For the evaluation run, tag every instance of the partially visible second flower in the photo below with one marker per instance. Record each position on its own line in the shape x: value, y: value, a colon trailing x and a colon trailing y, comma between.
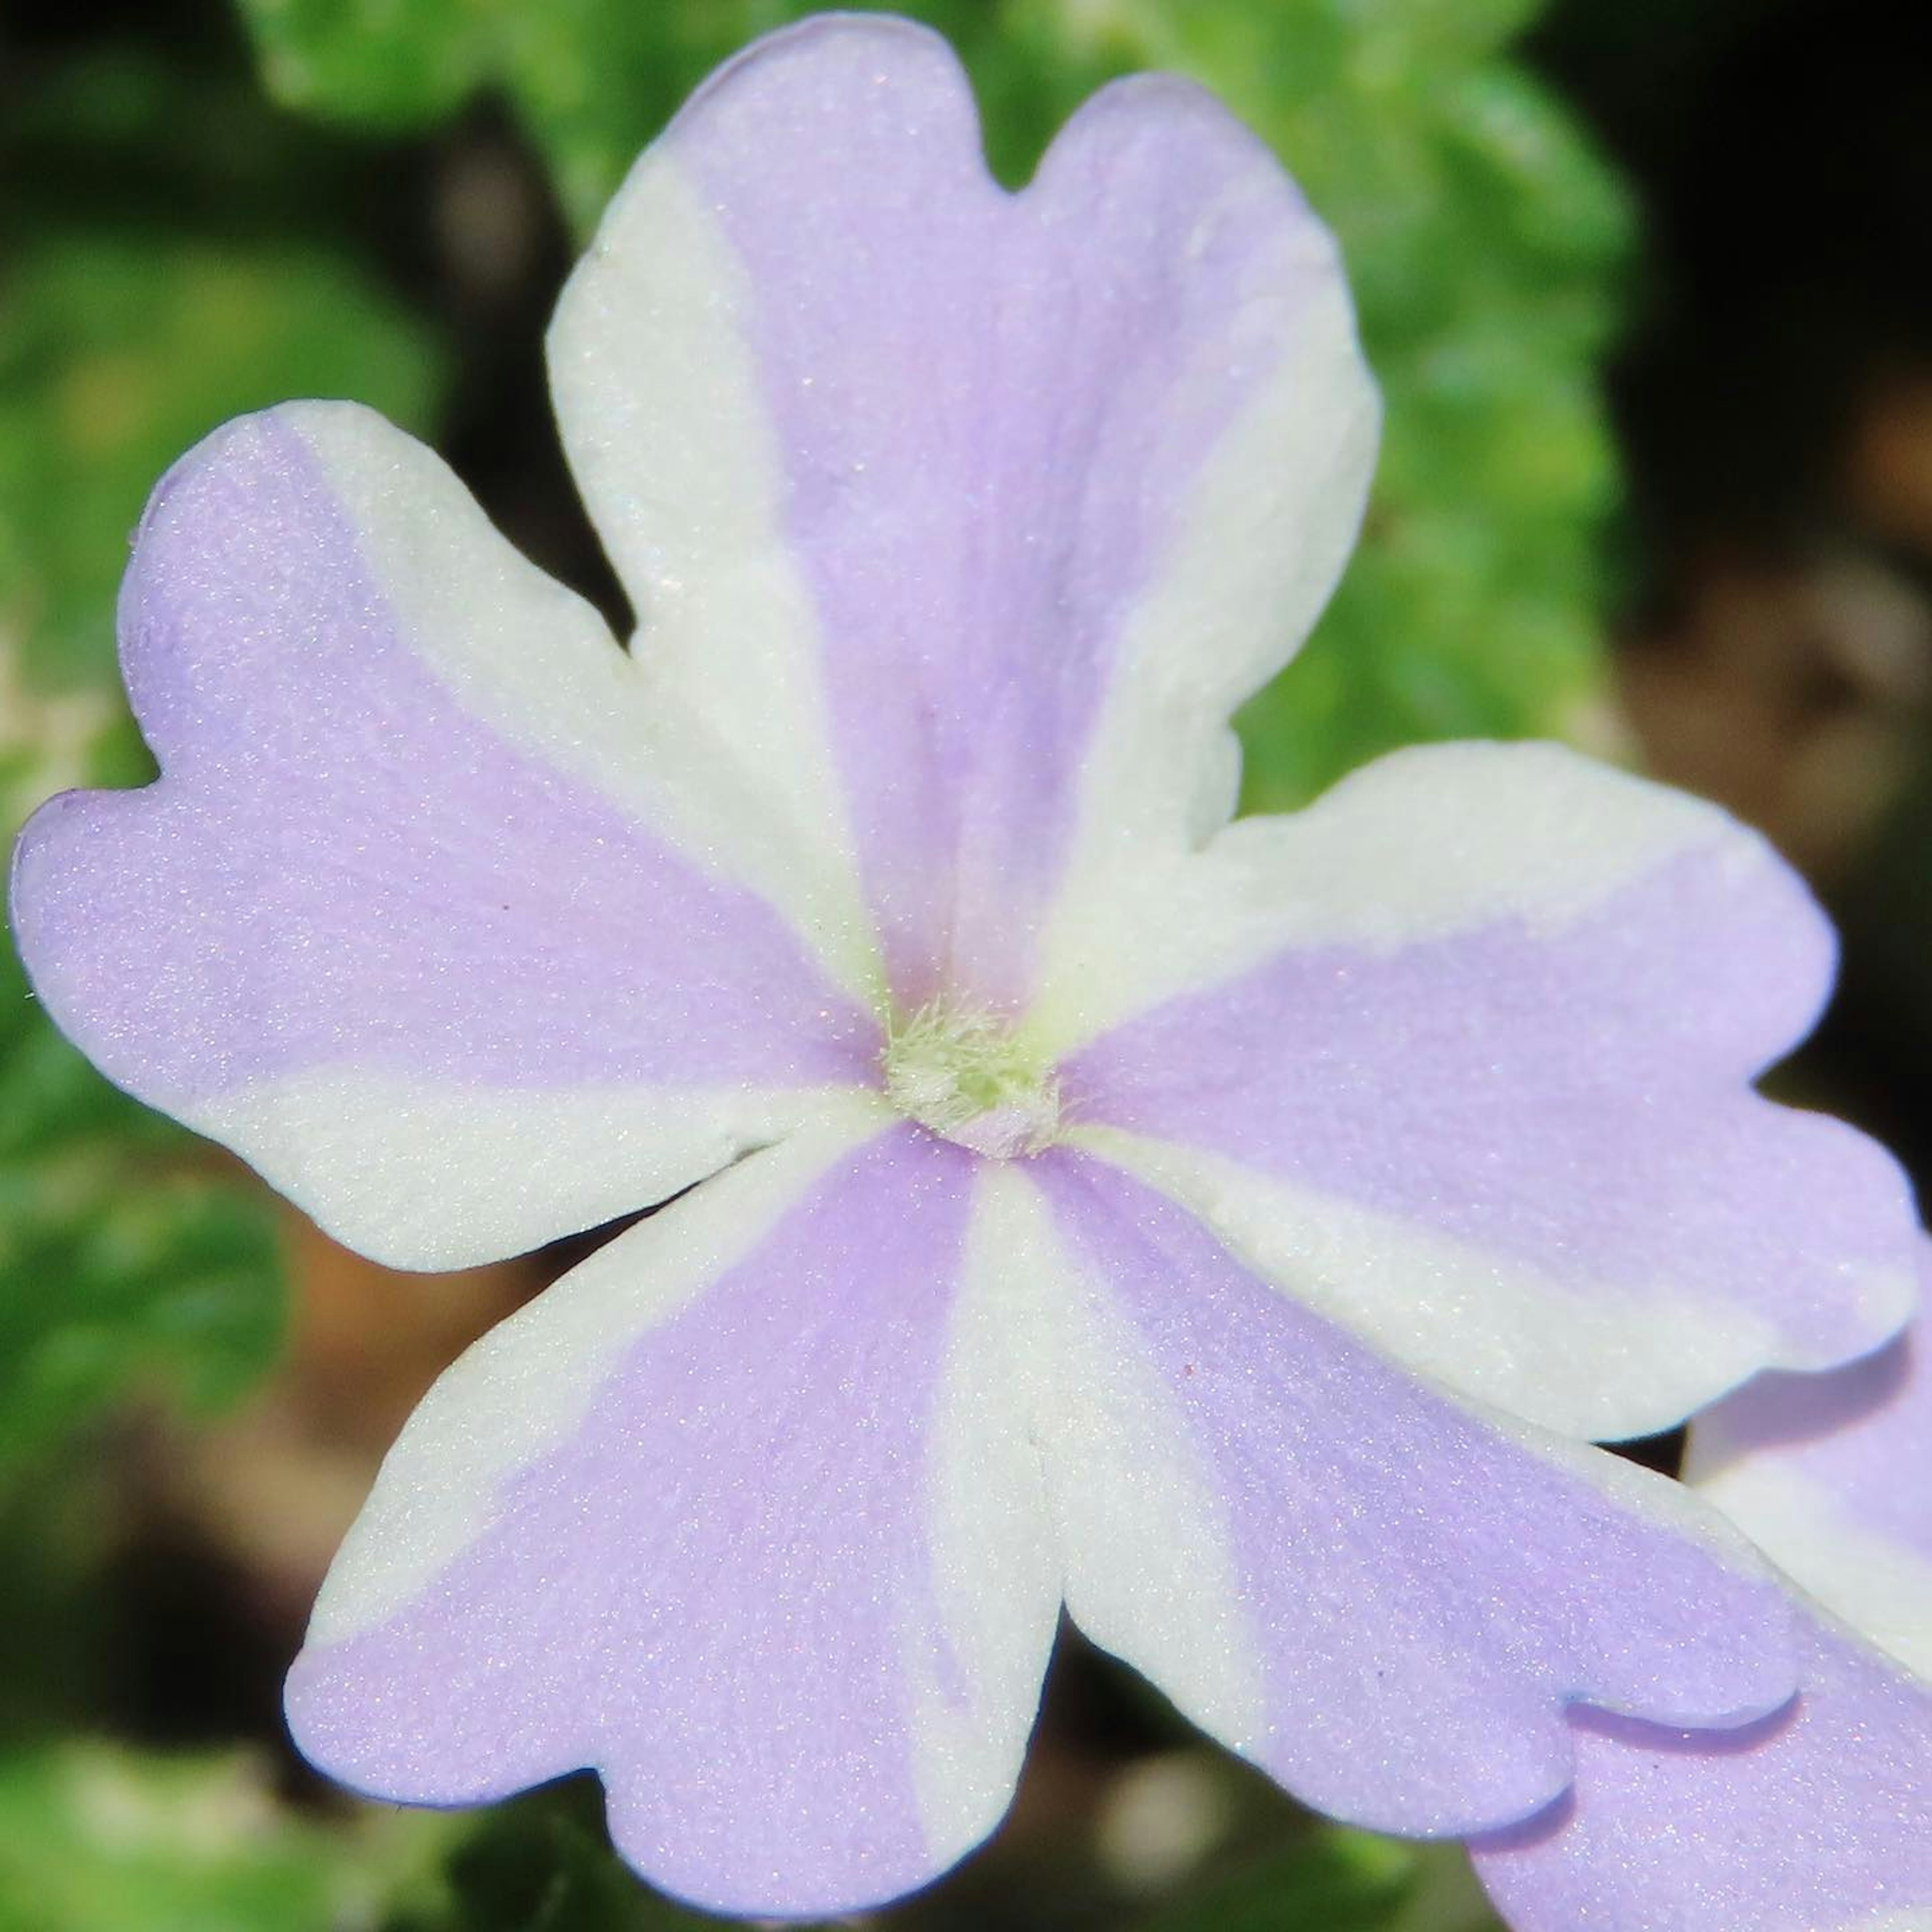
x: 1818, y: 1819
x: 1227, y: 1231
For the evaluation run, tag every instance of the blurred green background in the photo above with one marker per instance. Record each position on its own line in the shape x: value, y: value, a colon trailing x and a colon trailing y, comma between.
x: 1645, y: 286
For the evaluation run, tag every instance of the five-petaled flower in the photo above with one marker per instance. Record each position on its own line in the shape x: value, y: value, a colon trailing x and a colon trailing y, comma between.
x: 1232, y: 1232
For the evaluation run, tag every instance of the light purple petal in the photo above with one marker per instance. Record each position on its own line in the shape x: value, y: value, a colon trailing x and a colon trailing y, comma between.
x: 1819, y: 1819
x: 393, y: 922
x: 1000, y: 483
x: 1517, y: 1145
x: 1386, y: 1599
x: 728, y: 1574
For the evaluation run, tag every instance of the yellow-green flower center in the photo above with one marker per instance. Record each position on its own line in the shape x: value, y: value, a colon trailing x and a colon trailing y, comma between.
x: 962, y: 1075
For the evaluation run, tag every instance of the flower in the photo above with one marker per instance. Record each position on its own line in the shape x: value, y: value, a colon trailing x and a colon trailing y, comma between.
x: 1819, y: 1818
x: 1224, y: 1231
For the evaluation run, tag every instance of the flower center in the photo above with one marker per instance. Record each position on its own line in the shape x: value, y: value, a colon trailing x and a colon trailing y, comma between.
x: 961, y: 1075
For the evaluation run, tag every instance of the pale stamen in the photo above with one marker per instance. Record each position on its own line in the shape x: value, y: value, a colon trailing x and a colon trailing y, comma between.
x: 961, y: 1075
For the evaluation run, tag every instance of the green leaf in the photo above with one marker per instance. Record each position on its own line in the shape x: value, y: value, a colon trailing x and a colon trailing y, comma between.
x: 1445, y: 1896
x: 1334, y: 1881
x: 95, y: 1837
x: 127, y: 1256
x: 382, y: 63
x: 543, y: 1863
x: 117, y: 352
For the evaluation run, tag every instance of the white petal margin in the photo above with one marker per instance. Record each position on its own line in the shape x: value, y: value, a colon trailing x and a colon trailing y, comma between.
x: 996, y: 1569
x: 1383, y: 1658
x: 1148, y: 1574
x: 1588, y: 1360
x: 473, y: 608
x: 527, y: 1384
x: 1422, y: 844
x: 1260, y: 542
x: 1878, y: 1587
x: 660, y: 406
x: 360, y: 1151
x: 1832, y: 1476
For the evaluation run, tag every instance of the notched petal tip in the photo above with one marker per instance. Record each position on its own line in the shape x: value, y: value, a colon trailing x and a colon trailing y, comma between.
x: 1813, y: 1821
x: 1524, y: 997
x: 802, y: 1646
x: 1389, y: 1600
x: 1015, y: 649
x: 883, y: 42
x: 376, y: 928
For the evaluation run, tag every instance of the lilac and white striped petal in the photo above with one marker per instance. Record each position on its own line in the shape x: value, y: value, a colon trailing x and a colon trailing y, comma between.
x: 1385, y: 1598
x: 1821, y: 1819
x: 1015, y: 496
x: 408, y: 920
x: 1465, y: 1064
x: 732, y: 1514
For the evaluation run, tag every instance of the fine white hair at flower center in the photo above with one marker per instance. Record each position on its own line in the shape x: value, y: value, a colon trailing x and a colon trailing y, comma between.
x: 961, y: 1074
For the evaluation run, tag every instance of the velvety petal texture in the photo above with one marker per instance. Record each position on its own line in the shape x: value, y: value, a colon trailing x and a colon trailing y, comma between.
x: 408, y: 919
x: 726, y: 1515
x: 1461, y: 1055
x: 1820, y: 1818
x: 1016, y: 495
x: 1383, y: 1596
